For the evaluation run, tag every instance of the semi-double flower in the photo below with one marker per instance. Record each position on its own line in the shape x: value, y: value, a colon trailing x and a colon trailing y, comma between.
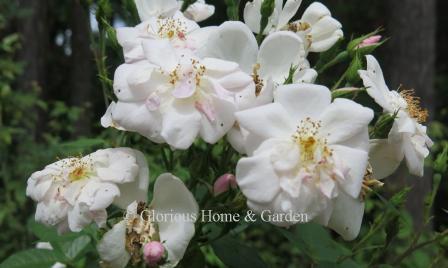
x: 174, y: 97
x: 317, y: 27
x: 311, y: 156
x: 73, y: 192
x: 407, y: 138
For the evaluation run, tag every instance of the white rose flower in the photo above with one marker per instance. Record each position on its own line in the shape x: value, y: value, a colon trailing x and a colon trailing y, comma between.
x: 319, y: 30
x: 310, y: 157
x: 198, y: 11
x: 180, y: 31
x: 124, y: 242
x: 407, y: 138
x: 268, y: 65
x: 73, y: 192
x: 176, y: 97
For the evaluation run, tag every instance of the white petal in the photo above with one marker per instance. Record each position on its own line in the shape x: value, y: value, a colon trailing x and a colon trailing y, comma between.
x: 315, y: 12
x: 235, y: 81
x: 112, y: 247
x: 324, y: 34
x: 236, y: 139
x: 137, y: 117
x: 199, y: 38
x: 374, y: 82
x: 233, y: 41
x: 288, y: 11
x: 267, y: 121
x: 52, y: 212
x: 305, y: 75
x: 384, y: 157
x: 98, y: 196
x: 212, y: 131
x: 356, y: 161
x: 138, y: 189
x: 38, y: 185
x: 171, y: 196
x: 343, y: 119
x: 275, y: 62
x: 128, y: 38
x: 120, y: 166
x: 181, y: 124
x: 303, y: 100
x: 121, y: 85
x: 415, y: 152
x: 156, y: 8
x: 199, y: 11
x: 252, y: 15
x: 160, y: 53
x: 347, y: 216
x: 285, y: 156
x: 257, y: 179
x: 217, y: 67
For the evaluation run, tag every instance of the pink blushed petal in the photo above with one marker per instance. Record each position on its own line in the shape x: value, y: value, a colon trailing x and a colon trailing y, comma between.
x: 207, y: 109
x: 184, y: 89
x: 153, y: 102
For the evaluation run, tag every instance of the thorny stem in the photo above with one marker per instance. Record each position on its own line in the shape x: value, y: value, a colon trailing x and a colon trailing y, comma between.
x: 414, y: 246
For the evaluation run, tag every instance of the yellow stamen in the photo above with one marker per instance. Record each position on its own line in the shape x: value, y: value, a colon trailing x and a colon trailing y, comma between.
x: 257, y: 80
x: 414, y: 106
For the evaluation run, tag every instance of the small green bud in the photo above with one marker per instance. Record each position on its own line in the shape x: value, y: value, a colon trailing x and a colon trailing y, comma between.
x: 441, y: 162
x: 352, y: 75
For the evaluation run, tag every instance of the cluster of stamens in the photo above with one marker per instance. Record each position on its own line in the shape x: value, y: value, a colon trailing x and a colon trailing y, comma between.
x: 140, y: 229
x: 298, y: 26
x: 80, y: 168
x: 414, y: 108
x: 257, y: 80
x: 198, y: 71
x: 306, y: 136
x: 170, y: 28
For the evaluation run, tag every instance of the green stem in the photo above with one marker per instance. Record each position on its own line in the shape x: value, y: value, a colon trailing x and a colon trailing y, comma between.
x: 415, y: 246
x: 339, y: 58
x: 339, y: 81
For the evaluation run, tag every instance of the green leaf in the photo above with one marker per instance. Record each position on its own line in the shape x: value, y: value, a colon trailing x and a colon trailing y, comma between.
x: 74, y: 249
x: 35, y: 258
x: 234, y: 254
x: 315, y: 241
x: 44, y: 233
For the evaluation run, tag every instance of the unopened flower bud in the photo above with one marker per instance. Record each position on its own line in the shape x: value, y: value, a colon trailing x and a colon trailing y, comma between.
x: 153, y: 253
x: 223, y: 183
x: 370, y: 41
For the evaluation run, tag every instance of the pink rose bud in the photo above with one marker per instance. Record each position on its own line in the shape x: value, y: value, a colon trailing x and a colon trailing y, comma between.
x: 223, y: 183
x: 370, y: 41
x: 153, y: 253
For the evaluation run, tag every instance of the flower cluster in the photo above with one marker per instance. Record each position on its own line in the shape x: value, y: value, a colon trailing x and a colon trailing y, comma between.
x: 305, y: 150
